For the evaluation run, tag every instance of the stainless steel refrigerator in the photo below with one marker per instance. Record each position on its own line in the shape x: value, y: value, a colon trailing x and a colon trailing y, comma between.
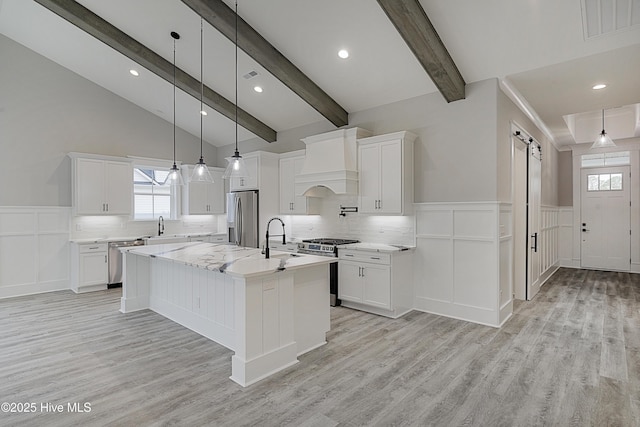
x: 242, y: 218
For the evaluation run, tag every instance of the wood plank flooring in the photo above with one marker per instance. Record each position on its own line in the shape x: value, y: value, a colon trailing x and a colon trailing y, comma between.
x: 571, y: 357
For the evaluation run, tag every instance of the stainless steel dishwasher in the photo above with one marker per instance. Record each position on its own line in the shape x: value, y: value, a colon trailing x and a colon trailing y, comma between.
x: 115, y: 260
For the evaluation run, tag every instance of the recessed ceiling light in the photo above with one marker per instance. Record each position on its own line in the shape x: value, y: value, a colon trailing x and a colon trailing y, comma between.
x: 134, y: 72
x: 257, y: 89
x: 343, y: 53
x: 204, y: 113
x: 599, y: 86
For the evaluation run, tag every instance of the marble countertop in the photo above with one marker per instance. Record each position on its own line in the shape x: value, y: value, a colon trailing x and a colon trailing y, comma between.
x: 129, y: 238
x: 375, y: 247
x: 230, y: 259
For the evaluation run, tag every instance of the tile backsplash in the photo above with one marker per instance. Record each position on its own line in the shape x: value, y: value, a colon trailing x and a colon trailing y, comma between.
x: 88, y: 227
x: 398, y: 230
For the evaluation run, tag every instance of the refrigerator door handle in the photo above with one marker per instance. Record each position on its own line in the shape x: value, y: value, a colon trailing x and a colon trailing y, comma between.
x: 238, y: 221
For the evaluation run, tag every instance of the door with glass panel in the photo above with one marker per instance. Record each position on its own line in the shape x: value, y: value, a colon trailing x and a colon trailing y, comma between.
x: 605, y: 218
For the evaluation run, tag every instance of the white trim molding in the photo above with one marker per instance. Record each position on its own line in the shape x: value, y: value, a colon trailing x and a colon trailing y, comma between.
x: 34, y: 250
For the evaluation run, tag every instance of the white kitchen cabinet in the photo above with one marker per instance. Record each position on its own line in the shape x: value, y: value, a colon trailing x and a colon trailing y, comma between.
x: 203, y: 198
x: 252, y: 182
x: 263, y: 167
x: 291, y: 204
x: 385, y: 166
x: 89, y: 267
x: 101, y: 186
x: 376, y: 282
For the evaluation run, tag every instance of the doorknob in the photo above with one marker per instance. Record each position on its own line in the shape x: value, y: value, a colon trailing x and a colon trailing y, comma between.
x: 584, y: 229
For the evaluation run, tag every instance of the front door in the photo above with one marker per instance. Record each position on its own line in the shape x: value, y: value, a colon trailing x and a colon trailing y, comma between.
x: 605, y: 218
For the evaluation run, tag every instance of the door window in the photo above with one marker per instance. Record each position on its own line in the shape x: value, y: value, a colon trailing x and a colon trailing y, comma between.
x: 604, y: 182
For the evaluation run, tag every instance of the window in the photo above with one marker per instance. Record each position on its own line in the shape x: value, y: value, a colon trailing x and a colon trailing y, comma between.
x: 604, y: 182
x: 620, y: 158
x: 150, y: 197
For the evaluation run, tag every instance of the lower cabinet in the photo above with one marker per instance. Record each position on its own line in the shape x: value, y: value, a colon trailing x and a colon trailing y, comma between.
x: 89, y: 267
x: 365, y: 283
x: 376, y: 282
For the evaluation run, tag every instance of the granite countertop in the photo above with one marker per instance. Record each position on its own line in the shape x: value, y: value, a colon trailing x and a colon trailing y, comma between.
x: 375, y: 247
x: 230, y: 259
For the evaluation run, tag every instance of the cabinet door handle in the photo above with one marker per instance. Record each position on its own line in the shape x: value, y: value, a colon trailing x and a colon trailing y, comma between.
x: 359, y: 271
x: 362, y: 271
x: 107, y: 207
x: 105, y: 259
x: 348, y: 255
x: 94, y: 247
x: 375, y: 257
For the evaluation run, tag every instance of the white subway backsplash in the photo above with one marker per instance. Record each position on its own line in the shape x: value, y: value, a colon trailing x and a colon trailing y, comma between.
x: 89, y: 227
x: 396, y: 230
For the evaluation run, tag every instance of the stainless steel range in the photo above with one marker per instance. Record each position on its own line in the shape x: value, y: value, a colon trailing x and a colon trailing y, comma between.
x: 327, y: 247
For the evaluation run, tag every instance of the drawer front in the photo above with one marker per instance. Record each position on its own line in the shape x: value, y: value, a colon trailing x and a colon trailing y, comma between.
x: 96, y: 247
x: 219, y: 238
x: 364, y: 256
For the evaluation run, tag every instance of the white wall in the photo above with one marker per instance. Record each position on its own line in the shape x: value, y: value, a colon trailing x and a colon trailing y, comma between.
x: 47, y: 111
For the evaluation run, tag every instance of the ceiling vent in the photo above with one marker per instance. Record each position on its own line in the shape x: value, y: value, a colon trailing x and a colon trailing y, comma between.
x: 600, y: 17
x: 251, y: 74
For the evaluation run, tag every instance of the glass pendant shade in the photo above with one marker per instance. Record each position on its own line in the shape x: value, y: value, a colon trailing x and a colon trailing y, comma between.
x: 603, y: 140
x: 236, y: 167
x: 175, y: 177
x: 201, y: 172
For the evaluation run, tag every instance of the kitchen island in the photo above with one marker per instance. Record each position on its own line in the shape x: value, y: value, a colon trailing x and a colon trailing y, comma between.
x: 268, y: 311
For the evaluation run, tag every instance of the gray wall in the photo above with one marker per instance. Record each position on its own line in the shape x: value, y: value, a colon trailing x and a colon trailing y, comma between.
x: 565, y: 178
x: 463, y: 150
x: 509, y: 113
x: 47, y: 111
x: 455, y: 153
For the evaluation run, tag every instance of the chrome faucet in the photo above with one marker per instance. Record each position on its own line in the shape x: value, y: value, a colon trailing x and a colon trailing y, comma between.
x: 160, y: 225
x: 284, y: 239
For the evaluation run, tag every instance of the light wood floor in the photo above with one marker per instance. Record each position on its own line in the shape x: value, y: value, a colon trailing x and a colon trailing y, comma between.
x: 571, y: 357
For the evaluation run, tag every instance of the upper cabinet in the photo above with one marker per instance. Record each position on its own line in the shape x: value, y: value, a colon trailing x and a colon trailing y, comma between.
x: 290, y: 204
x: 385, y: 165
x: 101, y: 186
x: 203, y: 198
x: 252, y: 182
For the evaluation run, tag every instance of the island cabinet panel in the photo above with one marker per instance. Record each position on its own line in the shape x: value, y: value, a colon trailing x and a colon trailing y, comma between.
x: 268, y: 311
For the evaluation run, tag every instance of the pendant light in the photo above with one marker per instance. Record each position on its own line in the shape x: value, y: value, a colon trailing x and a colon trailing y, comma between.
x: 603, y: 140
x: 236, y: 167
x: 175, y: 177
x: 201, y: 171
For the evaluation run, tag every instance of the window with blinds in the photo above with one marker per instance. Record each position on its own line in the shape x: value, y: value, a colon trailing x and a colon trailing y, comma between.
x: 151, y: 198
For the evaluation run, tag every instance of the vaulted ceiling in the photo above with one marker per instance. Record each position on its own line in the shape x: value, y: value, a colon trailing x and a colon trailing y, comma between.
x: 548, y: 53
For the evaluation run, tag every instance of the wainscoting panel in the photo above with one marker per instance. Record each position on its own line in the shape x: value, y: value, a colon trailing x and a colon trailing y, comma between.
x: 566, y: 257
x: 549, y: 235
x: 34, y: 250
x: 462, y: 261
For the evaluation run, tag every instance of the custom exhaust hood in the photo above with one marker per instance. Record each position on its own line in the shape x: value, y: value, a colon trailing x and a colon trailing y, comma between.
x: 330, y: 163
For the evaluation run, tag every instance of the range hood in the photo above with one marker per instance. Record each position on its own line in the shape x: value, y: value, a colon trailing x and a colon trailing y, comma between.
x: 331, y: 162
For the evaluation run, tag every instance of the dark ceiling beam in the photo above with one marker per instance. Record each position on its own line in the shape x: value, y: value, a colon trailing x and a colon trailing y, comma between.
x: 223, y: 18
x: 91, y: 23
x: 416, y: 29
